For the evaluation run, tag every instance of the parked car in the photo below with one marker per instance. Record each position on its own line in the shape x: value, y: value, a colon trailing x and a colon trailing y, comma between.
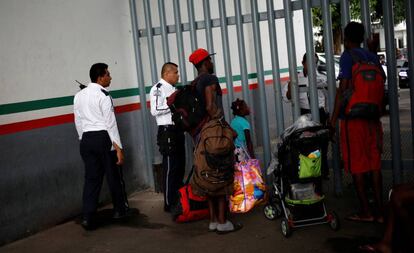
x: 403, y: 80
x: 322, y: 64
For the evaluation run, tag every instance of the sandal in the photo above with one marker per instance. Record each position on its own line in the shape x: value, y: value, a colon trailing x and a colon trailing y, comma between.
x: 368, y: 248
x: 359, y: 218
x: 236, y: 226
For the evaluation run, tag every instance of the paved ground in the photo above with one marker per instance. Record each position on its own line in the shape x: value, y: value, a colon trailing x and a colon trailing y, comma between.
x: 152, y: 230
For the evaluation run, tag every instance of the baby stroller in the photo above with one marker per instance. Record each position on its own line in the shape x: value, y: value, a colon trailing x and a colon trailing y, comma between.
x: 296, y: 169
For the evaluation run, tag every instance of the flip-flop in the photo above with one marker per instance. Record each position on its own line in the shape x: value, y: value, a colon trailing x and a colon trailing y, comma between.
x: 237, y: 226
x: 368, y: 248
x: 358, y: 218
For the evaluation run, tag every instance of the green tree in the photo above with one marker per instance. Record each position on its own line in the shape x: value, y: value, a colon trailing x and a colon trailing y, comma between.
x: 376, y: 11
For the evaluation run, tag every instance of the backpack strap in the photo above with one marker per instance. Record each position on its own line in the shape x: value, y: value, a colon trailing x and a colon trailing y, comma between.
x: 355, y: 57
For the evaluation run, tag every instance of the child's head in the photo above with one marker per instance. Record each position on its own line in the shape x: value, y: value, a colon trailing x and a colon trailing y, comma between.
x: 240, y: 108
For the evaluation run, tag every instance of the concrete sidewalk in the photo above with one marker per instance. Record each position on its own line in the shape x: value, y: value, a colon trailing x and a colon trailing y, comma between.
x: 152, y: 230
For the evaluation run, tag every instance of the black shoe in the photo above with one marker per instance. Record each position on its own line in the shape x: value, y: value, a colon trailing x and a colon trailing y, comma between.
x: 122, y: 214
x: 87, y: 224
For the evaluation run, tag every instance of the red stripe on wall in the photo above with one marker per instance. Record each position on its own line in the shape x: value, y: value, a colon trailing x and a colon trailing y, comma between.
x: 36, y: 123
x: 68, y: 118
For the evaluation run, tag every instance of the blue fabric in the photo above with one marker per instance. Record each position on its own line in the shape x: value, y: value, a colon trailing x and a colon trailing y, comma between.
x: 346, y: 62
x: 239, y: 124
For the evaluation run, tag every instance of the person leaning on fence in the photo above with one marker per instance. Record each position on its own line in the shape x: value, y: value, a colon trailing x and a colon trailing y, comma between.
x: 211, y: 95
x: 241, y: 125
x: 100, y: 146
x: 170, y: 139
x: 304, y: 104
x: 361, y: 138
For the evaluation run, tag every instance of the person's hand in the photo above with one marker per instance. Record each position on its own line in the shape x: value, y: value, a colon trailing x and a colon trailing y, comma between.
x: 120, y: 156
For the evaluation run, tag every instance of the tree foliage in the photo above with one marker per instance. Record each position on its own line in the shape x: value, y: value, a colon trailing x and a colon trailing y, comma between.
x: 376, y: 11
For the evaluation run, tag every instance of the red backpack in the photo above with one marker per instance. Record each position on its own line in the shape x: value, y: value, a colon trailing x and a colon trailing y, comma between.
x: 364, y: 99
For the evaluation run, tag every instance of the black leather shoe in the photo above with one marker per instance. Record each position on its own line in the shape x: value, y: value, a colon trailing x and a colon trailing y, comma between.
x: 122, y: 214
x: 87, y: 224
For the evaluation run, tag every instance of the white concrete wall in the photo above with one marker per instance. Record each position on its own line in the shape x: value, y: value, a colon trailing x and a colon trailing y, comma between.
x: 47, y: 44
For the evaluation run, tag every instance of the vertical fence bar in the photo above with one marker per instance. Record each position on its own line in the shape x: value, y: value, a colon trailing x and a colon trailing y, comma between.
x: 329, y: 53
x: 150, y: 40
x: 410, y: 46
x: 393, y: 91
x: 242, y: 59
x: 209, y: 32
x: 164, y: 34
x: 275, y: 68
x: 293, y: 75
x: 193, y: 28
x: 226, y: 52
x: 310, y: 56
x: 142, y: 93
x: 242, y: 52
x: 191, y: 18
x: 180, y: 43
x: 260, y: 79
x: 153, y: 65
x: 183, y: 72
x: 345, y: 16
x: 366, y: 20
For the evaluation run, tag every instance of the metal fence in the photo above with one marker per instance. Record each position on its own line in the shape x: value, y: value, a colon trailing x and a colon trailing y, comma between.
x: 146, y: 32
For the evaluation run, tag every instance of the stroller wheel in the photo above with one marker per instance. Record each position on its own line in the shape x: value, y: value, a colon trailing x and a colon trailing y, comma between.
x: 286, y: 229
x: 272, y: 212
x: 334, y: 221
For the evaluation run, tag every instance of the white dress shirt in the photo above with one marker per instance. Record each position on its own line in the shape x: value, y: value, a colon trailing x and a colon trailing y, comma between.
x: 158, y: 101
x: 94, y: 111
x: 303, y: 90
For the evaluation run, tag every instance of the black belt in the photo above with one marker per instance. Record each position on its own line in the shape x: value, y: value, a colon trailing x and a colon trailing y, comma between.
x: 167, y: 126
x: 94, y: 133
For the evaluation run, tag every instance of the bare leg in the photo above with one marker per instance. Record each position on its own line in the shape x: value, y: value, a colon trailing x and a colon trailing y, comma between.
x: 360, y: 188
x: 212, y: 208
x: 377, y: 187
x: 222, y: 208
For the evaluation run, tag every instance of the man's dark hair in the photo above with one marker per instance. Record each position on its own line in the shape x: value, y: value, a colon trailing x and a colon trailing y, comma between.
x: 97, y: 70
x: 354, y: 32
x: 167, y: 66
x: 200, y: 64
x: 236, y: 106
x: 304, y: 58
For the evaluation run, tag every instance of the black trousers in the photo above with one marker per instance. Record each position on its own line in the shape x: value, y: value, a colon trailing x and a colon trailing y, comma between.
x: 95, y: 149
x: 172, y: 147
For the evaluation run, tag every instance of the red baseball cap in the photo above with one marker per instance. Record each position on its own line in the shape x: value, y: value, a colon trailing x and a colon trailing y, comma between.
x: 199, y: 55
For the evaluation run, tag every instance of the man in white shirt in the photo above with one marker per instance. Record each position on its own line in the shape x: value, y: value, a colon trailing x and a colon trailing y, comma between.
x: 321, y: 85
x: 100, y: 145
x: 171, y: 141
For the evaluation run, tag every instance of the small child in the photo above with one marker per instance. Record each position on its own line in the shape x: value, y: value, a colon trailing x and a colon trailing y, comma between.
x: 242, y: 127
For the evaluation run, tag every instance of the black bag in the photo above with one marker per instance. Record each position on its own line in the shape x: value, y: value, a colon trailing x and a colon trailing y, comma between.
x: 188, y: 111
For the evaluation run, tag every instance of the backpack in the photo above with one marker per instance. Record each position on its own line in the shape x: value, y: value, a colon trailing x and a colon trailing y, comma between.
x: 188, y: 111
x: 364, y: 99
x: 214, y: 158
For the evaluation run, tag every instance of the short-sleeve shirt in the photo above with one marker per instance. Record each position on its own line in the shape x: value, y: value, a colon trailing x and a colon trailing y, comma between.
x: 346, y: 62
x: 206, y: 80
x: 239, y: 124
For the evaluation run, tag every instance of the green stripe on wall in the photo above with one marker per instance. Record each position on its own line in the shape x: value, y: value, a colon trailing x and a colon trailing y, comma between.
x: 68, y: 100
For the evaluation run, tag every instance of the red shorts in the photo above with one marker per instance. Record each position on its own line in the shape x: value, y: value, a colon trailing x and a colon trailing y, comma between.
x: 361, y: 145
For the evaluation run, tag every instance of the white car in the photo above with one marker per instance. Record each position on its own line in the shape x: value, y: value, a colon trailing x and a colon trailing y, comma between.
x: 322, y: 64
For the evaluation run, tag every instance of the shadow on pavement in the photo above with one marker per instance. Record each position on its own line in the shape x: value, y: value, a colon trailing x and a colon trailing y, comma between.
x: 136, y: 220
